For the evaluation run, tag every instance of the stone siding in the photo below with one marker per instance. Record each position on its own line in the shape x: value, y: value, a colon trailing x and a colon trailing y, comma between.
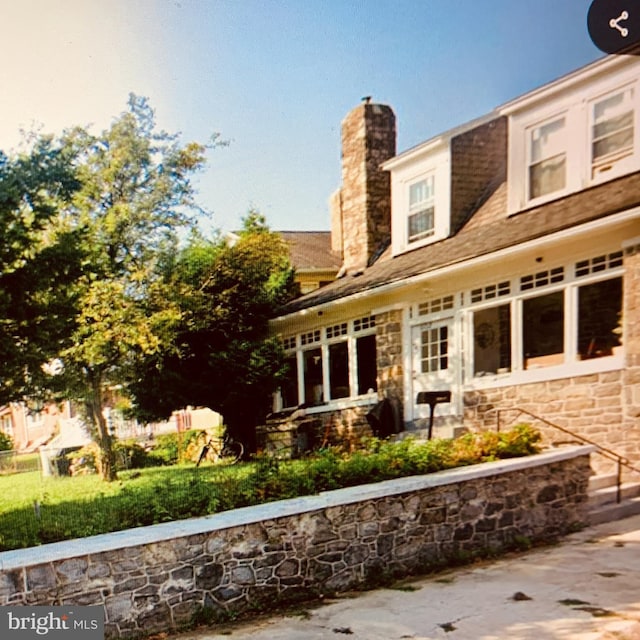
x: 591, y: 406
x: 158, y: 578
x: 389, y: 354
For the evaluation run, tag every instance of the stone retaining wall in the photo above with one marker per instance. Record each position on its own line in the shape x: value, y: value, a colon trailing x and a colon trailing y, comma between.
x: 158, y: 578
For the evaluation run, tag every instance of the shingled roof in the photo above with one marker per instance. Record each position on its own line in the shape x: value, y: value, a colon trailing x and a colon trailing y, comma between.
x: 482, y: 239
x: 311, y: 250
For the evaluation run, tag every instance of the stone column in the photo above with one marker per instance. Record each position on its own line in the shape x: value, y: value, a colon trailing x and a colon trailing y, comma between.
x: 389, y: 359
x: 368, y: 139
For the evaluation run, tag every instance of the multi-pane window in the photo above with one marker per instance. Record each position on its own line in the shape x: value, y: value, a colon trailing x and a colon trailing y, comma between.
x: 547, y: 158
x: 581, y: 319
x: 338, y: 361
x: 434, y: 354
x: 612, y: 130
x: 541, y: 279
x: 435, y: 305
x: 421, y: 209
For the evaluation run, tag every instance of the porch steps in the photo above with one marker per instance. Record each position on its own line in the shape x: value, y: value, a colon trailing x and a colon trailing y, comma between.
x: 602, y: 499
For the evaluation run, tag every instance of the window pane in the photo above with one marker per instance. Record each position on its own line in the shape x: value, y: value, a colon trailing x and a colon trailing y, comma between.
x: 289, y: 388
x: 613, y: 143
x: 421, y: 224
x: 313, y: 377
x: 339, y: 370
x: 492, y: 340
x: 547, y: 140
x: 599, y: 312
x: 543, y: 330
x: 420, y: 192
x: 547, y: 176
x: 435, y: 350
x: 367, y: 365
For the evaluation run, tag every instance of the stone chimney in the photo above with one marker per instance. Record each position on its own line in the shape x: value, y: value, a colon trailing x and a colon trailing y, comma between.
x: 361, y: 209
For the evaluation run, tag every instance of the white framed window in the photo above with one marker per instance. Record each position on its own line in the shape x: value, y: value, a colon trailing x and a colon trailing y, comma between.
x: 421, y: 215
x: 331, y: 363
x: 570, y: 315
x: 612, y: 130
x: 547, y: 158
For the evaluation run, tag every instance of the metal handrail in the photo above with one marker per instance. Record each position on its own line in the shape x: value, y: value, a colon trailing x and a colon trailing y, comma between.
x: 620, y: 460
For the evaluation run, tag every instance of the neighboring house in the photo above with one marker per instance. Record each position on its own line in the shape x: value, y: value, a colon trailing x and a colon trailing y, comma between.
x: 31, y: 427
x: 315, y: 261
x: 498, y: 261
x: 313, y: 254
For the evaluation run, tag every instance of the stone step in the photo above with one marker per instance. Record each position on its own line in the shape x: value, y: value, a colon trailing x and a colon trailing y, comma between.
x: 614, y: 511
x: 603, y: 504
x: 608, y: 495
x: 602, y: 481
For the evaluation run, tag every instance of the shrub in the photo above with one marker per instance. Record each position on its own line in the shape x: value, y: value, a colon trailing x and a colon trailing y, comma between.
x: 6, y: 441
x: 172, y: 448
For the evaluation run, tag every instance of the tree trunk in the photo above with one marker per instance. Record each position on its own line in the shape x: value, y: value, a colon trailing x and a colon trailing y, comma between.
x: 107, y: 462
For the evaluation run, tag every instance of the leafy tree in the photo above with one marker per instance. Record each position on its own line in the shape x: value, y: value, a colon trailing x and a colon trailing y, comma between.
x: 222, y: 357
x: 41, y: 258
x: 135, y: 196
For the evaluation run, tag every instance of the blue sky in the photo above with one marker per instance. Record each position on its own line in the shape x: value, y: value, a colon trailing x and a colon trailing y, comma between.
x: 276, y: 77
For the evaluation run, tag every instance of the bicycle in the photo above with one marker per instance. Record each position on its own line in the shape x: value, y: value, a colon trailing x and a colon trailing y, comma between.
x: 224, y: 450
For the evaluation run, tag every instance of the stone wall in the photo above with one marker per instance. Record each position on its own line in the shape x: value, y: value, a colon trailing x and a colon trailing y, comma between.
x: 158, y: 578
x: 293, y: 433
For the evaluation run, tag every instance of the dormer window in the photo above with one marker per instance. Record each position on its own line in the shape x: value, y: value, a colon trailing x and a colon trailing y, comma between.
x: 568, y: 139
x: 547, y: 158
x: 421, y: 209
x: 612, y: 131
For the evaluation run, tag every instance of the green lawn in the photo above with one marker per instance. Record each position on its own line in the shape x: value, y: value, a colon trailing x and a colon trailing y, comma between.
x: 35, y: 511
